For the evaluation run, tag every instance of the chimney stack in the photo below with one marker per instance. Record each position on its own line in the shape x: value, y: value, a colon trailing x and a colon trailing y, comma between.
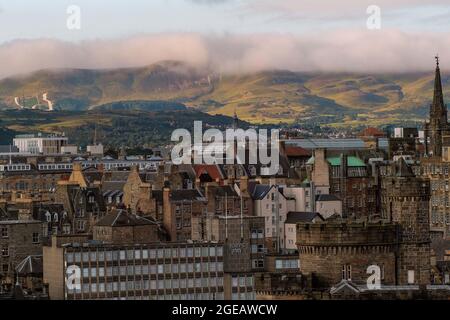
x: 168, y: 219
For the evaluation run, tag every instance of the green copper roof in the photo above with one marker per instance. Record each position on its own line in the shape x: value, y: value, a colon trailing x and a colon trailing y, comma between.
x: 336, y: 161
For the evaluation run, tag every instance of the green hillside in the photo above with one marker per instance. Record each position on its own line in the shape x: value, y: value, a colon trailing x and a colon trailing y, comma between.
x: 130, y: 126
x: 263, y: 97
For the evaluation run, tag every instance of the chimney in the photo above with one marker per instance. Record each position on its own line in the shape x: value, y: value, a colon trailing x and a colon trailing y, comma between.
x: 321, y: 169
x: 77, y: 167
x: 244, y: 184
x: 77, y: 175
x: 146, y: 191
x: 134, y: 169
x: 283, y: 148
x: 197, y: 183
x: 168, y: 219
x: 344, y: 165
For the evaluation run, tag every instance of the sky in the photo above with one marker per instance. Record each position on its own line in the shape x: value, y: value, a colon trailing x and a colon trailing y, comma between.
x: 227, y: 35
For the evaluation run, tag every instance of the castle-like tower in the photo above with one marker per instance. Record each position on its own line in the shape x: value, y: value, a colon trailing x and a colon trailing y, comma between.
x: 438, y: 126
x: 405, y: 200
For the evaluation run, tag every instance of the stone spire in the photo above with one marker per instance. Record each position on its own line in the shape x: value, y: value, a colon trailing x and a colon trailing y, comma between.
x: 235, y: 120
x: 438, y: 108
x: 437, y: 127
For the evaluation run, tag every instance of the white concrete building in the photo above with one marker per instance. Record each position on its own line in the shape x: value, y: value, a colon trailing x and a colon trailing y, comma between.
x: 95, y: 149
x: 69, y: 149
x: 271, y: 203
x: 40, y: 143
x: 303, y: 196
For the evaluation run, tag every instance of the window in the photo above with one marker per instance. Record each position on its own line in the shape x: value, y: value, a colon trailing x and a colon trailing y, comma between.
x: 66, y: 228
x: 4, y: 232
x: 81, y: 225
x: 35, y: 237
x: 410, y: 276
x: 346, y: 272
x: 258, y: 264
x: 5, y: 251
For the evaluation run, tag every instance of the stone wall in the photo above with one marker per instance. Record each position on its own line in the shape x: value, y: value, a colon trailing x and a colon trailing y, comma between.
x: 326, y: 248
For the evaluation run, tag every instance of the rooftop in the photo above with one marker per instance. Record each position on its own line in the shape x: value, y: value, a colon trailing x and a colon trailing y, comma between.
x: 327, y: 197
x: 297, y: 216
x: 122, y: 218
x: 352, y: 161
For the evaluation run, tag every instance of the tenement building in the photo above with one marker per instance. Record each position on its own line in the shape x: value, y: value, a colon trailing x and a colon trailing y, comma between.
x: 347, y: 177
x: 18, y: 240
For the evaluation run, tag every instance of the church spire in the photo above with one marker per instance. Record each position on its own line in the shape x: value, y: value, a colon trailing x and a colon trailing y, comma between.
x: 438, y: 107
x: 235, y: 120
x: 438, y: 126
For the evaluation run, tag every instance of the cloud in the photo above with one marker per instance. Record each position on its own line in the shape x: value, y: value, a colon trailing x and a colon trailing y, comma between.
x: 209, y: 2
x: 343, y: 50
x: 333, y: 6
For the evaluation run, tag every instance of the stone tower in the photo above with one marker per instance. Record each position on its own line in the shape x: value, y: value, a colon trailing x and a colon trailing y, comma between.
x: 406, y: 202
x: 437, y: 127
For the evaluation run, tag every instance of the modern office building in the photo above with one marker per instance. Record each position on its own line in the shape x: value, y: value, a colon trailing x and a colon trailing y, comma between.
x: 40, y: 143
x: 171, y: 271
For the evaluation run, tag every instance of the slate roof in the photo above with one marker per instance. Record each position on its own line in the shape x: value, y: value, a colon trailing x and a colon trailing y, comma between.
x: 260, y: 191
x: 298, y: 216
x: 180, y: 195
x: 189, y: 194
x: 327, y: 197
x: 121, y: 218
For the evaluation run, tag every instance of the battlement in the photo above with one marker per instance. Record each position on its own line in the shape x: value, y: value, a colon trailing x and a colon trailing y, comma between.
x: 347, y: 233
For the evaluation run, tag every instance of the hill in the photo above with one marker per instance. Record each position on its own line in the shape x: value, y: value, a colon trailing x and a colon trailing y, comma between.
x: 130, y: 126
x: 263, y: 97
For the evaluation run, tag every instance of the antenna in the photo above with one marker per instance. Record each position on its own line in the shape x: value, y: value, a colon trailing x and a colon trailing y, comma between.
x: 226, y: 216
x: 242, y: 225
x: 277, y: 216
x: 95, y: 134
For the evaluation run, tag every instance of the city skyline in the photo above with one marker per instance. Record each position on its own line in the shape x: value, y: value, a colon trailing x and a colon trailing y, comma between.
x: 224, y: 156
